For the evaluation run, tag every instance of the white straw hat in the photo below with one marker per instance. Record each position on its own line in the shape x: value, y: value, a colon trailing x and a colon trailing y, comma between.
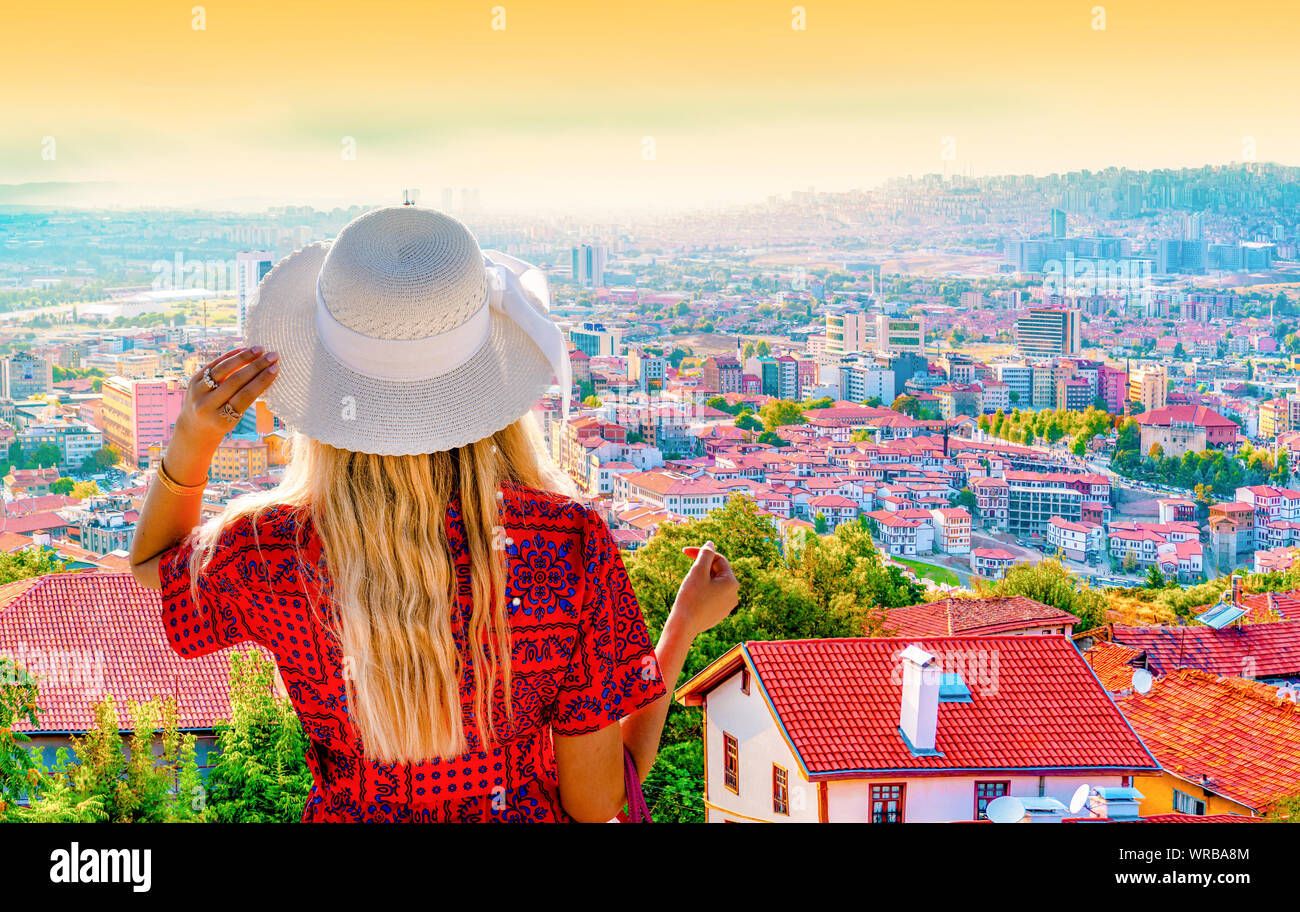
x: 402, y: 337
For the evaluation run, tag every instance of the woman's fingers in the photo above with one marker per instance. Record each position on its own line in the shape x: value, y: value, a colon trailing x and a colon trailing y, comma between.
x: 218, y: 359
x: 241, y: 377
x: 230, y: 364
x: 716, y: 563
x: 249, y: 392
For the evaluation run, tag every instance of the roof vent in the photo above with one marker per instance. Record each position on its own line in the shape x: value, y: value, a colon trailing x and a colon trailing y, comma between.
x: 952, y: 689
x: 1115, y: 803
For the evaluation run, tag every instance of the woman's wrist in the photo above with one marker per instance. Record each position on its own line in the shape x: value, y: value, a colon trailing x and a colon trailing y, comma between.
x: 187, y: 460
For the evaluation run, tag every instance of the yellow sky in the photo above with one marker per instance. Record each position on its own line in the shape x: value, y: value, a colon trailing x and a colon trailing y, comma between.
x: 555, y: 109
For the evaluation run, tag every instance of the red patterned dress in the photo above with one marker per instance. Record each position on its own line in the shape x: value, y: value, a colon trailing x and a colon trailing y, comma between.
x: 581, y: 657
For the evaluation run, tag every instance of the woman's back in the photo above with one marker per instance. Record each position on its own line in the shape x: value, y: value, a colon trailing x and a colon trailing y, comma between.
x: 580, y: 656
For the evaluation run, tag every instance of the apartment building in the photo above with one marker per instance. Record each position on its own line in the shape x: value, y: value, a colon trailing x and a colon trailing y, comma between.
x: 1034, y: 498
x: 1148, y: 387
x: 672, y: 491
x: 1078, y: 541
x: 140, y: 413
x: 74, y: 439
x: 952, y: 526
x: 238, y: 459
x: 991, y: 500
x: 722, y: 373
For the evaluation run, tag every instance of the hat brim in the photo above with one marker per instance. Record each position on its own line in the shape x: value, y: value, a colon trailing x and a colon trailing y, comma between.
x: 317, y: 395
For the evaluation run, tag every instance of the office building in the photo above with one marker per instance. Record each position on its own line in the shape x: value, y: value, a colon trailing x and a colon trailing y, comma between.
x: 250, y: 267
x: 595, y: 341
x: 1047, y: 333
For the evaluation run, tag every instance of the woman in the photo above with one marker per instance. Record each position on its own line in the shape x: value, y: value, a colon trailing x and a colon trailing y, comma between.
x: 457, y: 636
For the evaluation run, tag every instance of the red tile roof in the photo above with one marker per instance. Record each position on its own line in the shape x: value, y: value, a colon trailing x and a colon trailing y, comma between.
x: 1248, y: 650
x: 950, y: 617
x: 1240, y: 734
x: 1035, y: 705
x: 1272, y: 606
x: 1171, y: 818
x: 91, y: 634
x: 1112, y: 663
x: 1198, y: 415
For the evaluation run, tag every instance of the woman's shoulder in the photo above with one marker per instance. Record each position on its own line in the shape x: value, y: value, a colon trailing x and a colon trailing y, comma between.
x: 530, y: 506
x: 277, y: 524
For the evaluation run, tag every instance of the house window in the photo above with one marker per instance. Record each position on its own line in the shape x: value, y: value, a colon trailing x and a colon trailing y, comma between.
x: 1186, y: 804
x: 744, y: 680
x: 730, y: 762
x: 780, y: 790
x: 887, y: 803
x: 986, y: 792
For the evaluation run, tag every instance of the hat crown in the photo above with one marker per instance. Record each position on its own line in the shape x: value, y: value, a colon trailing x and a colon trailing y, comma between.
x: 403, y: 273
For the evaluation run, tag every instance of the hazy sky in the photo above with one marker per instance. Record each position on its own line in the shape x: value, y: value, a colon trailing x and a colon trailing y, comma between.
x: 555, y: 109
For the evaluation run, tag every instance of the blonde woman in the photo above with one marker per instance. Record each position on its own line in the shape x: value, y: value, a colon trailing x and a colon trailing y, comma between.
x: 458, y: 637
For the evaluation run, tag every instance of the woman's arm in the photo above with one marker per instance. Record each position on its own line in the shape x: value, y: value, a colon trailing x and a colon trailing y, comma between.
x: 241, y: 374
x: 706, y: 596
x: 590, y: 766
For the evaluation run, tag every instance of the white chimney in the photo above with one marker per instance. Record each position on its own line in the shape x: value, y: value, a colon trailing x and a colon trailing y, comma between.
x: 919, y: 713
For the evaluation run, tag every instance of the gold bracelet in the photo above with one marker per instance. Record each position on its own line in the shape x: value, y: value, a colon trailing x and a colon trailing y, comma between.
x: 171, y: 484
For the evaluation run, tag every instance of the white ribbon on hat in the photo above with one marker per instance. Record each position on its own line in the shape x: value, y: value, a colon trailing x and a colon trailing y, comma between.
x: 516, y: 289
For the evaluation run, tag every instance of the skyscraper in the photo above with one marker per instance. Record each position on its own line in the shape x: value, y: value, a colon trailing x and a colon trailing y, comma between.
x: 250, y: 267
x: 588, y: 264
x: 1058, y: 223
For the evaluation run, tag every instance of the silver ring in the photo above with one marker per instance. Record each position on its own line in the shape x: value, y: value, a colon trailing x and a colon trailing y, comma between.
x: 207, y: 379
x: 229, y: 413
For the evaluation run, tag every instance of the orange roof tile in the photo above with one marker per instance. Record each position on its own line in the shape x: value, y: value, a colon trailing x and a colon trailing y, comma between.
x: 1235, y: 737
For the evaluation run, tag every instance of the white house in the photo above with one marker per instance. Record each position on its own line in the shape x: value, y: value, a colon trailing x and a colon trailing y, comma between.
x: 897, y: 730
x: 1076, y: 540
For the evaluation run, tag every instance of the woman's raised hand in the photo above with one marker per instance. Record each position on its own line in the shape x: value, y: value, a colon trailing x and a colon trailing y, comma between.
x: 708, y: 592
x: 218, y: 394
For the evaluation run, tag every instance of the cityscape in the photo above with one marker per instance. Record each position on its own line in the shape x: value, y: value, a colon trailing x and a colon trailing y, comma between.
x: 916, y: 390
x: 1046, y: 420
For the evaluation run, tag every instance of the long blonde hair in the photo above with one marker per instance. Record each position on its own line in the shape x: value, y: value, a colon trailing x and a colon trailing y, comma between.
x: 382, y: 523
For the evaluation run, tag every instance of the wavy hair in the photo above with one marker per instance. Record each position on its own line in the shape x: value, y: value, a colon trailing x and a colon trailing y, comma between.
x: 382, y: 524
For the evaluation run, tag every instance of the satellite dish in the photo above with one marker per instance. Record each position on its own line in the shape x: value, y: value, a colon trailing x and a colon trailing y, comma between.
x: 1079, y: 798
x: 1142, y: 680
x: 1007, y: 809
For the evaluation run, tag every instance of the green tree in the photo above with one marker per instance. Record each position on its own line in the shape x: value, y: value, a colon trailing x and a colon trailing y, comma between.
x: 1155, y: 579
x: 121, y: 780
x: 18, y: 565
x: 261, y: 773
x: 908, y: 405
x: 967, y: 500
x: 781, y: 412
x: 63, y: 486
x: 18, y: 770
x: 1051, y: 583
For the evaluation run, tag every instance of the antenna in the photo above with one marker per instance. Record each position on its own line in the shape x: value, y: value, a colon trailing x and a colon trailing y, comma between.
x: 1079, y: 798
x: 1142, y: 680
x: 1007, y: 809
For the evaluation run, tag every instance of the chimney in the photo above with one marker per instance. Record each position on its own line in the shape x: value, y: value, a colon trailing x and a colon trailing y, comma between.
x: 919, y: 713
